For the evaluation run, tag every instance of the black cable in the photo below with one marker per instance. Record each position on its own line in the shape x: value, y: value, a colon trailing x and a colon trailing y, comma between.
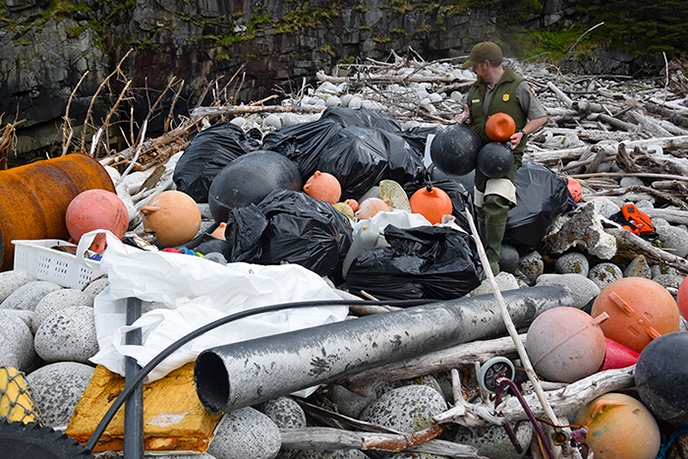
x: 128, y: 390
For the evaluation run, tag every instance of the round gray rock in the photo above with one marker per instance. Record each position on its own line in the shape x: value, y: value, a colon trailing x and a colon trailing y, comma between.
x: 16, y: 342
x: 68, y: 335
x: 285, y: 413
x: 531, y: 266
x: 606, y: 207
x: 582, y: 289
x: 406, y: 409
x: 246, y: 433
x: 334, y: 454
x: 669, y: 280
x: 348, y: 403
x: 630, y: 181
x: 56, y: 301
x: 604, y: 274
x: 638, y: 267
x: 508, y: 258
x: 493, y: 441
x: 28, y: 295
x: 505, y: 281
x: 572, y: 263
x: 12, y: 280
x: 56, y: 389
x: 95, y: 287
x: 658, y: 270
x: 674, y: 240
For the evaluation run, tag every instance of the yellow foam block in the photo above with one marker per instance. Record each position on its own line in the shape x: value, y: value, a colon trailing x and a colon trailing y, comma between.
x: 174, y: 418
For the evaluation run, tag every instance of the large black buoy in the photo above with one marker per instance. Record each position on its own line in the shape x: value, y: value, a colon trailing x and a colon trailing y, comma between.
x: 454, y: 150
x: 495, y: 159
x: 661, y: 377
x: 248, y: 179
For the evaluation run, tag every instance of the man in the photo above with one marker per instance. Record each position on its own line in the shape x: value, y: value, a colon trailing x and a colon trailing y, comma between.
x: 498, y: 89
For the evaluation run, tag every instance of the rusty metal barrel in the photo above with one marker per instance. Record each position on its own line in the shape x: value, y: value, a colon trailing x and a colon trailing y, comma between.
x: 34, y: 198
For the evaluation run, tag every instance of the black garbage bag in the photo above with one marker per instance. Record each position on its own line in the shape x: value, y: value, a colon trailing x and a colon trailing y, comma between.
x: 290, y: 226
x: 302, y: 143
x: 541, y: 196
x: 205, y: 156
x: 417, y: 137
x: 361, y: 157
x: 430, y: 262
x: 362, y: 117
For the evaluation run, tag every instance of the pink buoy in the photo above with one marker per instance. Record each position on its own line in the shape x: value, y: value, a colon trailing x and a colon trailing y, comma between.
x: 682, y: 298
x: 566, y: 344
x: 96, y: 209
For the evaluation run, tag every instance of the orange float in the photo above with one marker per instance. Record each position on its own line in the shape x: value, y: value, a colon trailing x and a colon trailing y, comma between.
x: 500, y: 127
x: 620, y: 427
x: 370, y: 207
x: 323, y: 186
x: 173, y: 216
x: 432, y: 203
x: 639, y: 309
x: 96, y: 209
x: 682, y: 298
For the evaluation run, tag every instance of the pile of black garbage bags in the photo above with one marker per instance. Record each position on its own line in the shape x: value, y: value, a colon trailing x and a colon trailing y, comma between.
x: 254, y: 184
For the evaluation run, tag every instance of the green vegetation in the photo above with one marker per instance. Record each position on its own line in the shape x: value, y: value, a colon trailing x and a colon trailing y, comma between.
x: 304, y: 17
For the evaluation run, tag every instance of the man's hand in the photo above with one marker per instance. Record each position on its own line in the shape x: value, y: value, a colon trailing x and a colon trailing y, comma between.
x: 464, y: 115
x: 516, y: 138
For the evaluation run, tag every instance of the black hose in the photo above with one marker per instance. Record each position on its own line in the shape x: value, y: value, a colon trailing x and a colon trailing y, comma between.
x: 122, y: 397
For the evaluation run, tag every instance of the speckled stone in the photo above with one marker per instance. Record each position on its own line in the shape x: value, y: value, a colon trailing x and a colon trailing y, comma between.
x: 638, y: 267
x: 630, y: 181
x: 56, y: 389
x: 28, y: 295
x: 406, y: 409
x: 425, y: 380
x: 16, y: 341
x: 68, y: 335
x: 95, y: 287
x: 348, y: 403
x: 531, y: 266
x: 674, y: 240
x: 505, y: 281
x: 335, y: 454
x: 658, y: 270
x: 658, y: 222
x: 285, y: 413
x: 669, y: 280
x: 582, y: 289
x: 606, y: 207
x: 11, y: 281
x: 572, y: 263
x: 57, y: 300
x: 246, y: 433
x: 493, y: 441
x: 508, y: 258
x: 604, y: 274
x: 644, y: 205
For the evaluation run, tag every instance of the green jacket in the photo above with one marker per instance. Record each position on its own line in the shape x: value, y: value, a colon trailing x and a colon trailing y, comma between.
x: 503, y: 100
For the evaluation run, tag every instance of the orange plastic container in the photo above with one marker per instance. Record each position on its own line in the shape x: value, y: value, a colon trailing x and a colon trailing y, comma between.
x: 639, y: 309
x: 35, y: 198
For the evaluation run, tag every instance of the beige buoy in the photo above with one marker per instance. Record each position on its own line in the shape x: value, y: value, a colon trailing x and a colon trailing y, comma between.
x: 174, y: 216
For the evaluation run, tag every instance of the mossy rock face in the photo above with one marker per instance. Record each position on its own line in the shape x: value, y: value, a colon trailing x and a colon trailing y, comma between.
x: 406, y: 409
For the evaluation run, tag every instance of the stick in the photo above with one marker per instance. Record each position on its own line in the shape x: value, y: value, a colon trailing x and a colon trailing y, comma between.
x: 525, y: 360
x: 568, y: 53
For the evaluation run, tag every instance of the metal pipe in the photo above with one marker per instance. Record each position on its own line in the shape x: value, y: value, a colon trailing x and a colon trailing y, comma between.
x: 242, y: 374
x: 133, y: 409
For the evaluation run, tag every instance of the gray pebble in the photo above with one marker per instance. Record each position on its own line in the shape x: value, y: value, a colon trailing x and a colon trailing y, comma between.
x: 406, y: 409
x: 493, y: 442
x: 57, y: 300
x: 246, y: 433
x: 426, y: 380
x: 604, y: 274
x: 531, y: 266
x: 56, y: 389
x: 28, y: 295
x: 335, y: 454
x: 12, y: 280
x: 606, y: 207
x: 658, y: 270
x: 674, y: 240
x: 668, y: 280
x: 638, y: 267
x: 644, y: 205
x: 582, y: 289
x: 95, y: 287
x: 572, y: 263
x: 508, y: 258
x: 285, y: 413
x: 630, y: 181
x: 67, y: 335
x: 16, y: 342
x: 505, y: 281
x: 348, y: 403
x: 658, y: 222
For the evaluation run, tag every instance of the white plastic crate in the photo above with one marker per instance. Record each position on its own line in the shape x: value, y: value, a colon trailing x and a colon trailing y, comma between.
x: 37, y: 257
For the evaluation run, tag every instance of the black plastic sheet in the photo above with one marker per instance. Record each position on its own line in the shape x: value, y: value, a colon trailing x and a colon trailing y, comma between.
x: 362, y: 117
x: 431, y: 262
x: 205, y: 156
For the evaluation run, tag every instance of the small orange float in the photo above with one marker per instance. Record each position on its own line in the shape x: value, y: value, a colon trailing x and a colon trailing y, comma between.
x: 174, y: 216
x: 500, y: 127
x: 96, y: 209
x: 432, y: 203
x: 323, y: 186
x: 370, y: 207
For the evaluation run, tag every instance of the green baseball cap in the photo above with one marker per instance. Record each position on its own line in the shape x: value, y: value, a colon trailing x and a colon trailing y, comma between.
x: 484, y: 51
